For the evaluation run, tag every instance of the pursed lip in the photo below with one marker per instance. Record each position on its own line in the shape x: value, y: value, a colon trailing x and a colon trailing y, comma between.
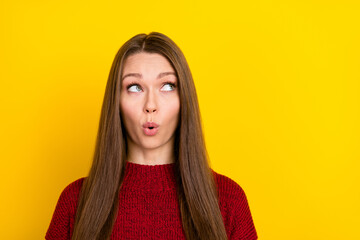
x: 150, y: 124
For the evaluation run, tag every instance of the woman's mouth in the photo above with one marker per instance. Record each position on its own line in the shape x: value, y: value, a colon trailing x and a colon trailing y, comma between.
x: 150, y: 131
x: 150, y: 128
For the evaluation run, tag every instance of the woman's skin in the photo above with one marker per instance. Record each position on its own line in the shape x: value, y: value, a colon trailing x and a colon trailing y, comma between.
x: 147, y: 97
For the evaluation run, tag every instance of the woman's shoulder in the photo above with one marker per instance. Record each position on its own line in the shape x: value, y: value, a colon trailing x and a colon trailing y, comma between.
x: 65, y: 210
x: 70, y: 193
x: 74, y: 187
x: 231, y: 194
x: 227, y: 187
x: 234, y: 208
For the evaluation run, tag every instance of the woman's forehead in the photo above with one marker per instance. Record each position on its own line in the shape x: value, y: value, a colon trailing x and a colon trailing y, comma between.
x: 142, y: 65
x: 143, y: 59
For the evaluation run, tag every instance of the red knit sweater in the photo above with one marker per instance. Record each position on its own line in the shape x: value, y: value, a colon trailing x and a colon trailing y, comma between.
x: 149, y: 209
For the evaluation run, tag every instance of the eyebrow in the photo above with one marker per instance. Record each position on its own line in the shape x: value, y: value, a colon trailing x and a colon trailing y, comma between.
x: 139, y: 75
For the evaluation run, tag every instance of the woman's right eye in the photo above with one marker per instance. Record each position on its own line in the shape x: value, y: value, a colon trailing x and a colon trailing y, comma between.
x: 134, y: 88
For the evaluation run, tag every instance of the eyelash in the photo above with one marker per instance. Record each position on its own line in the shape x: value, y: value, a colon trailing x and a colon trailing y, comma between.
x: 133, y: 84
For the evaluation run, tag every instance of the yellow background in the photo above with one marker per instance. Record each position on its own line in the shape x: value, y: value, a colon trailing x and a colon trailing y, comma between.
x: 278, y: 84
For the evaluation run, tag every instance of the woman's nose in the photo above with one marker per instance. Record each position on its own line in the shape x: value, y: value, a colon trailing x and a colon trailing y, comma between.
x: 150, y: 105
x: 150, y: 110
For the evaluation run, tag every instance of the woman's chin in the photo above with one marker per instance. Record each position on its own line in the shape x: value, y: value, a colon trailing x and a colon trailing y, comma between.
x: 151, y: 144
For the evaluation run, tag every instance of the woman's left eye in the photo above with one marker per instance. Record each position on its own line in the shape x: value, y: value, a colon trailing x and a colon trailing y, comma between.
x: 168, y: 87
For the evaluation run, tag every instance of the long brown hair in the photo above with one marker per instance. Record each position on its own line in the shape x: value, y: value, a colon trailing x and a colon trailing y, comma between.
x: 196, y: 188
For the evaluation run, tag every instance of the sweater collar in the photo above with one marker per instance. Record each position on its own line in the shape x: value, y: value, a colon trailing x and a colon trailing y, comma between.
x: 150, y: 177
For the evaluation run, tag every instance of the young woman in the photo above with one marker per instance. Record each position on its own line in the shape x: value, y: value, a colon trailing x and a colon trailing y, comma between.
x: 150, y: 177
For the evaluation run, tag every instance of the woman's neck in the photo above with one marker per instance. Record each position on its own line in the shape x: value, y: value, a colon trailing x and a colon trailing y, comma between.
x: 163, y: 154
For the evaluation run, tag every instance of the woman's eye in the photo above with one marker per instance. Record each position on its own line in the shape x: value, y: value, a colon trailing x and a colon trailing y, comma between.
x: 168, y: 87
x: 134, y: 88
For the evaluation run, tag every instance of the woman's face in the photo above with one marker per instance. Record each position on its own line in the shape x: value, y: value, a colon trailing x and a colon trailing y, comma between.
x: 149, y: 95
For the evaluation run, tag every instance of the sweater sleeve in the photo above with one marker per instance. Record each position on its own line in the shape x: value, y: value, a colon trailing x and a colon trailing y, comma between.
x: 242, y: 226
x: 64, y: 214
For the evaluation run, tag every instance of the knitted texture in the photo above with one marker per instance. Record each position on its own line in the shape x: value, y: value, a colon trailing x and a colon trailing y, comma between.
x: 148, y: 207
